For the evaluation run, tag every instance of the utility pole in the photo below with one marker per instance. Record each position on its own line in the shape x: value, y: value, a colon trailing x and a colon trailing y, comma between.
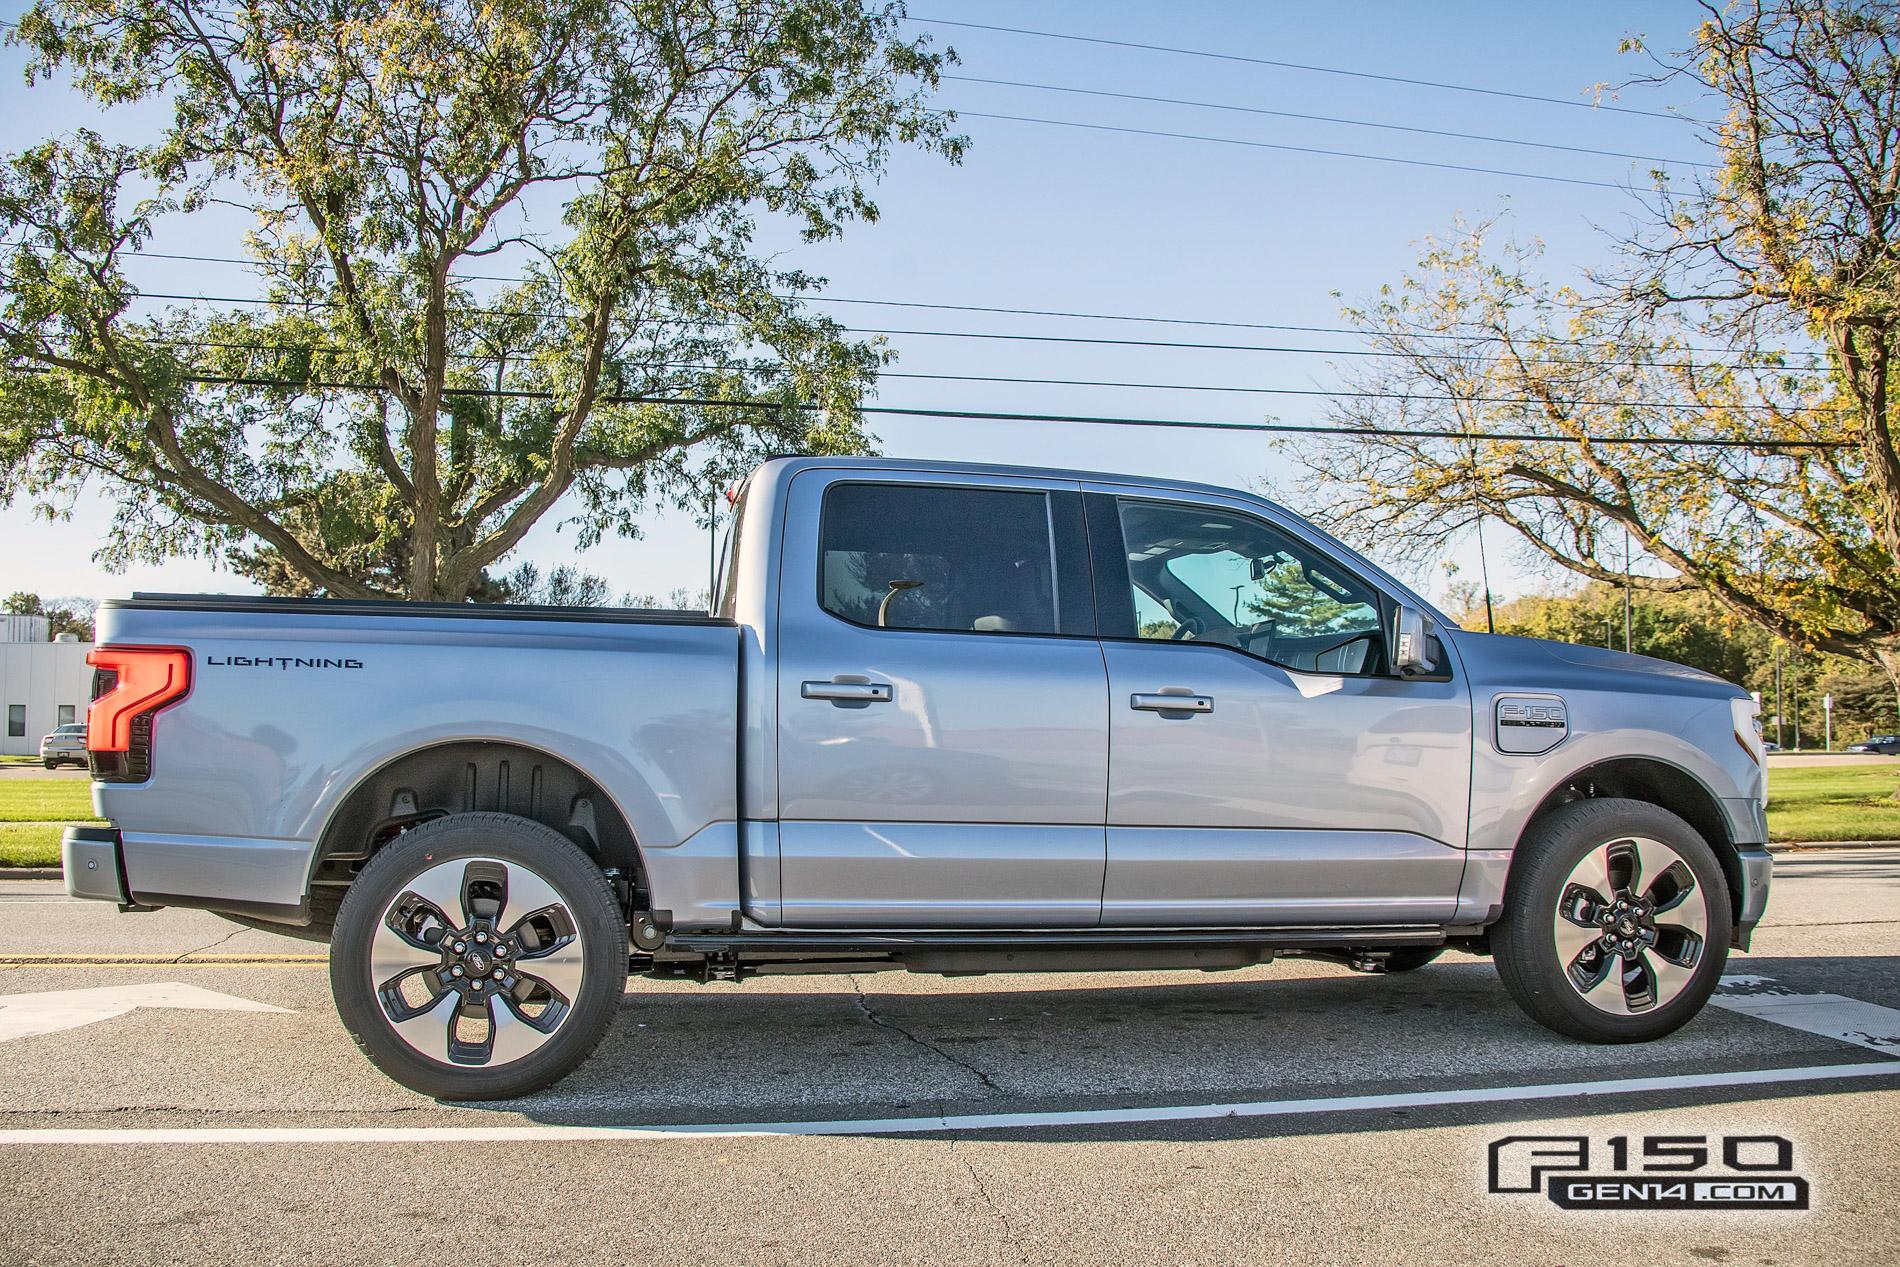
x: 1626, y: 588
x: 1237, y: 589
x: 1484, y: 574
x: 1794, y: 694
x: 1778, y: 713
x: 712, y: 544
x: 1827, y: 720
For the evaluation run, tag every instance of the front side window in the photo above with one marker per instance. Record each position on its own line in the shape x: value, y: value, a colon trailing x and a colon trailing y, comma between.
x: 1205, y: 574
x: 914, y: 556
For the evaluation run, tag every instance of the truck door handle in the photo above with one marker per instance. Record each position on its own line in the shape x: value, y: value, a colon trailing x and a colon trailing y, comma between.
x: 847, y: 692
x: 1172, y: 700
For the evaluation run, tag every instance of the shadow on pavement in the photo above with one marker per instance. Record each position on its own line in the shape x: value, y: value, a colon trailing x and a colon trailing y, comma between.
x: 880, y: 1048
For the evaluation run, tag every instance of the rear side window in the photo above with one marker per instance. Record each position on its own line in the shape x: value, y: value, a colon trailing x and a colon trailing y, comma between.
x: 915, y: 556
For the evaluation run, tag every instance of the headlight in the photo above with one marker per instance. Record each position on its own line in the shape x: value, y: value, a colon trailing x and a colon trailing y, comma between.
x: 1745, y: 711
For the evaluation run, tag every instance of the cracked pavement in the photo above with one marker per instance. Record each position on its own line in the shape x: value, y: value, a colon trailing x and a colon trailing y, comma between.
x: 1398, y: 1184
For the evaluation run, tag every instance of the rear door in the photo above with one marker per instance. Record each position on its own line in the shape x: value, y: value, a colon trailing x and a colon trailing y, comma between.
x: 1267, y: 766
x: 942, y: 703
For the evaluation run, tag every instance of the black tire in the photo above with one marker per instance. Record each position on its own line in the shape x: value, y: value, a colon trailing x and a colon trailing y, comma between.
x: 1411, y: 958
x: 524, y: 846
x: 51, y: 765
x: 1524, y: 941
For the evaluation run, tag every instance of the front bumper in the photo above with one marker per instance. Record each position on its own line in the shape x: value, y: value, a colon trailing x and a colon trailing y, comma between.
x: 1757, y: 868
x: 94, y: 867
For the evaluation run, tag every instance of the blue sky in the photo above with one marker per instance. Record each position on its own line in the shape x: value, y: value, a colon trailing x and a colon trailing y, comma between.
x: 1064, y: 218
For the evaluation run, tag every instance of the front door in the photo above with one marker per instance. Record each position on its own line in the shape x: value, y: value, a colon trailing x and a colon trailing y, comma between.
x: 1267, y: 767
x: 942, y: 703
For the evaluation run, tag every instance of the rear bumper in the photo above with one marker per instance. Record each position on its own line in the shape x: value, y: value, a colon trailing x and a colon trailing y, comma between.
x: 1757, y: 868
x: 263, y: 879
x: 94, y: 867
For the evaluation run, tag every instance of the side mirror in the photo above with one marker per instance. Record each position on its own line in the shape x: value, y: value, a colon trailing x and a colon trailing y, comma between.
x: 1415, y: 651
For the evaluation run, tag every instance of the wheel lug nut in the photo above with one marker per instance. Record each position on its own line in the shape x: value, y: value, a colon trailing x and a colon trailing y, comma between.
x: 475, y: 985
x: 460, y: 946
x: 456, y: 970
x: 481, y: 937
x: 501, y: 950
x: 499, y: 974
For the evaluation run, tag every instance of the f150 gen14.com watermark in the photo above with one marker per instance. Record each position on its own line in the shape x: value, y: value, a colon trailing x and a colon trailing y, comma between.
x: 1650, y: 1172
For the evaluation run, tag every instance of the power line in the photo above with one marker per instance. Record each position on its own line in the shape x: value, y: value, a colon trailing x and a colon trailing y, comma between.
x: 228, y: 345
x: 1306, y: 66
x: 1178, y: 345
x: 993, y: 309
x: 1287, y: 428
x: 1296, y: 149
x: 1327, y: 118
x: 1324, y: 393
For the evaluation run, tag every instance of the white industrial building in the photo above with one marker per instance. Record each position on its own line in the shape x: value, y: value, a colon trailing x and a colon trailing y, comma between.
x: 43, y: 684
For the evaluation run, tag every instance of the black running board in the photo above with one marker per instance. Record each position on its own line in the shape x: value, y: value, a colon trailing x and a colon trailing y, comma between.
x: 807, y: 941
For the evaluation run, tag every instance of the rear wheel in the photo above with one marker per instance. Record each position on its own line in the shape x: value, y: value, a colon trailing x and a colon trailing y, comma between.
x: 1616, y: 925
x: 478, y: 957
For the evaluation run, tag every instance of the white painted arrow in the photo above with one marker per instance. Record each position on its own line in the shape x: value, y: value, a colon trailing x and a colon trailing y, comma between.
x: 25, y: 1015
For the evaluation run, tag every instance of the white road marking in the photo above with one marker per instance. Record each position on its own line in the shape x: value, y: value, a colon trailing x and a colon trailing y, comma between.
x: 1828, y: 1015
x: 961, y: 1122
x: 27, y: 1015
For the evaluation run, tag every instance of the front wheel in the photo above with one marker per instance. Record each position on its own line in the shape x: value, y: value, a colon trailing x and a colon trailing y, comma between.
x: 1616, y: 924
x: 478, y: 957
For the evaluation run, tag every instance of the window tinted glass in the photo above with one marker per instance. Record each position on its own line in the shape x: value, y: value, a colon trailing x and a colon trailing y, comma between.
x: 16, y: 720
x: 1207, y: 575
x: 67, y: 712
x: 911, y: 556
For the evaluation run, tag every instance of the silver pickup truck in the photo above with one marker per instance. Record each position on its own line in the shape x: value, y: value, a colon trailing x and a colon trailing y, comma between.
x: 946, y: 718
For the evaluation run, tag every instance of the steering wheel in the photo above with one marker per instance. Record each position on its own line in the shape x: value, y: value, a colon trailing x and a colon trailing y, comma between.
x: 1187, y: 629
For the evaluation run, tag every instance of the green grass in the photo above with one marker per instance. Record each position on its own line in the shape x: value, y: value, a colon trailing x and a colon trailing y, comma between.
x: 45, y: 800
x: 29, y: 844
x: 32, y: 812
x: 15, y: 760
x: 1834, y: 803
x: 1809, y: 803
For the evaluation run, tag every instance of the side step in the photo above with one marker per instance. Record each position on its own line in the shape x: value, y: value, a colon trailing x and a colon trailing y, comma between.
x: 807, y: 941
x: 733, y: 956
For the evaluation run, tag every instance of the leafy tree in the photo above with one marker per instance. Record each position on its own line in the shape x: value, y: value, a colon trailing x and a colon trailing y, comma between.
x: 64, y: 615
x: 1695, y: 629
x: 394, y: 418
x: 1790, y: 244
x: 564, y: 585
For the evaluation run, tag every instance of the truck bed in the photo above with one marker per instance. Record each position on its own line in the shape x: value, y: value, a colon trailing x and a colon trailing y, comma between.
x: 295, y: 703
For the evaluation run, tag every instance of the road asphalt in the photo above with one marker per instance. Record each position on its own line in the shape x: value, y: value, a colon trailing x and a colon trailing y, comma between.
x: 1110, y: 1157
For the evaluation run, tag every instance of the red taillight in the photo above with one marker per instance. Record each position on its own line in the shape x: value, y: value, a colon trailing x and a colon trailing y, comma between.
x: 147, y: 679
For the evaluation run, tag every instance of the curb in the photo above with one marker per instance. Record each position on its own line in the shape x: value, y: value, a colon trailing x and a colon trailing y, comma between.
x: 1800, y: 846
x: 31, y: 873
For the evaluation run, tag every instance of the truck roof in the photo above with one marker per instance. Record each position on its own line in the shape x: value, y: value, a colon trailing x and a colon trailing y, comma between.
x: 791, y: 465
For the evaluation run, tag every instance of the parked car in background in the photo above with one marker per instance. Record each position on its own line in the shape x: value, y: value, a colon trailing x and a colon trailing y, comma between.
x: 1886, y: 745
x: 66, y: 745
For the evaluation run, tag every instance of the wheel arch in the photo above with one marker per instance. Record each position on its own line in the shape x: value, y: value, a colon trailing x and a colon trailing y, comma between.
x: 455, y: 776
x: 1663, y: 784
